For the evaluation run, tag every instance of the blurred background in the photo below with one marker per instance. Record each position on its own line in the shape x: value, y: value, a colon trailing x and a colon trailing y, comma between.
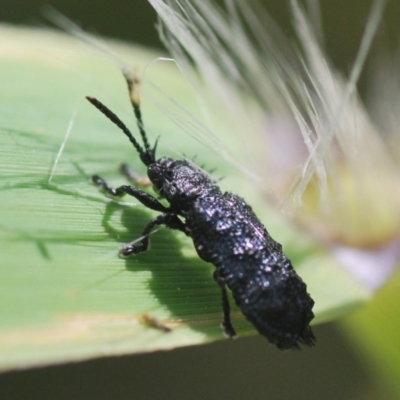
x: 356, y: 358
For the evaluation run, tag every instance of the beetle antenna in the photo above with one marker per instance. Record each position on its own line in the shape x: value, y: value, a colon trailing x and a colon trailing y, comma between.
x: 155, y: 146
x: 133, y: 81
x: 147, y: 156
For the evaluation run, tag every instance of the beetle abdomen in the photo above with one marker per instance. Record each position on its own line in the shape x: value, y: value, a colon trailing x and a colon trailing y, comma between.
x: 271, y: 295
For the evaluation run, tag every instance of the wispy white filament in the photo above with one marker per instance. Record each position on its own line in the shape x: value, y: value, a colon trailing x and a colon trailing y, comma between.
x: 322, y: 146
x: 279, y: 80
x: 61, y: 149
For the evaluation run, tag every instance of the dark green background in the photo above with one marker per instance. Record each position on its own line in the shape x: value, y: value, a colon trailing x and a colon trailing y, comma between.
x: 247, y: 368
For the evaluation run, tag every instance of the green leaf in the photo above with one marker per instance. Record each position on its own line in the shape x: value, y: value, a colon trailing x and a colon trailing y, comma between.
x: 64, y: 293
x: 374, y: 331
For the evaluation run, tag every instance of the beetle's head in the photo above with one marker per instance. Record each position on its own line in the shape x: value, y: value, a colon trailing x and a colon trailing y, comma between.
x: 178, y: 180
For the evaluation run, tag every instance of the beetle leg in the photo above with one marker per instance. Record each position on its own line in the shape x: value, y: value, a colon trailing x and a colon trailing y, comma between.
x: 169, y: 220
x: 226, y: 308
x: 226, y: 322
x: 133, y: 176
x: 146, y: 199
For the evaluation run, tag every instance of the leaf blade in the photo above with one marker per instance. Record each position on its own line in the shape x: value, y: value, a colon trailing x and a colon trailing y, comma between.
x: 64, y: 293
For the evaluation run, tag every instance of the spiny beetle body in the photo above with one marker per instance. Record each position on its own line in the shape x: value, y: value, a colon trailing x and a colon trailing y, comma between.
x: 225, y: 232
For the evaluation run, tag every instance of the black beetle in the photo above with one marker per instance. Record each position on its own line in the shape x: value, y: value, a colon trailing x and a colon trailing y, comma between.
x: 225, y: 232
